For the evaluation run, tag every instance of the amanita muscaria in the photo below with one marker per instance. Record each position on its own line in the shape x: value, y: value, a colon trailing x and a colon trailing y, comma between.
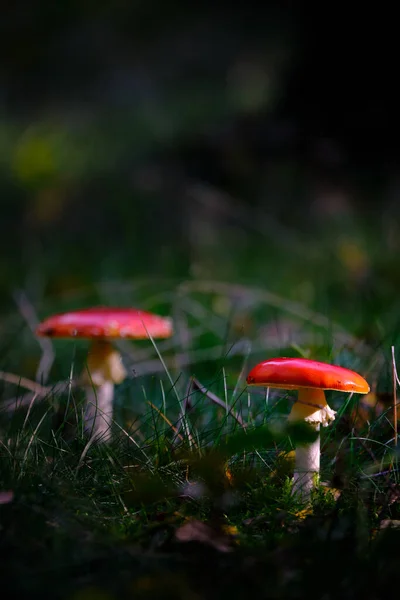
x: 104, y: 362
x: 310, y: 378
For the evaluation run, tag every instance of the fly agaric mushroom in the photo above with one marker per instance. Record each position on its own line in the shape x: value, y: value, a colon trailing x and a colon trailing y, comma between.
x: 310, y: 378
x: 104, y: 363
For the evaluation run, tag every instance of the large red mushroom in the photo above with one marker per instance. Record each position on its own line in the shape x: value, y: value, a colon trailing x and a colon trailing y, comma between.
x: 310, y: 378
x: 105, y: 368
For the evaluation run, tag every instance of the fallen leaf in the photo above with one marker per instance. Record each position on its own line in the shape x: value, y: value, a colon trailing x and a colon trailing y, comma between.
x: 197, y: 531
x: 228, y: 475
x: 327, y: 489
x: 6, y: 497
x: 303, y: 514
x: 393, y: 523
x: 230, y: 530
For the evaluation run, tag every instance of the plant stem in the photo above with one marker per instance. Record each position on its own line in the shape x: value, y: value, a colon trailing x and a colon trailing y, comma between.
x: 99, y: 411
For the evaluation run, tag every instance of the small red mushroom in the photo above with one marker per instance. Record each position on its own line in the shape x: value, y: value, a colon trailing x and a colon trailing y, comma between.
x: 310, y: 378
x: 104, y: 363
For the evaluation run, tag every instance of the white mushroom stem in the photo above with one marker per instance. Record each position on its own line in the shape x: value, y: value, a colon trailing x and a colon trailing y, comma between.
x: 104, y: 369
x: 311, y: 407
x: 306, y: 471
x: 98, y: 413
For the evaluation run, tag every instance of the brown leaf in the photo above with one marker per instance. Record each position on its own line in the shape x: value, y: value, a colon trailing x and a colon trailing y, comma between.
x: 258, y: 520
x: 197, y: 531
x: 393, y: 494
x: 6, y: 497
x: 385, y: 523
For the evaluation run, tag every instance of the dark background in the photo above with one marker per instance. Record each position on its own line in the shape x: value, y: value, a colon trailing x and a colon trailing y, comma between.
x: 153, y: 138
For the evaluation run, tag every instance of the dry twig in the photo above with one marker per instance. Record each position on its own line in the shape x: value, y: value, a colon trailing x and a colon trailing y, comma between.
x: 28, y: 312
x: 395, y: 382
x: 214, y: 398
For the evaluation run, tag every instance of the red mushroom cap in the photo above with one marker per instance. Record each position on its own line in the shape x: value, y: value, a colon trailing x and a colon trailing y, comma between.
x: 294, y: 373
x: 105, y: 322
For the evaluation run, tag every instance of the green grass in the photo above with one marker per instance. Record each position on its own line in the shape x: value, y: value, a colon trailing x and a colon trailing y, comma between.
x: 89, y: 521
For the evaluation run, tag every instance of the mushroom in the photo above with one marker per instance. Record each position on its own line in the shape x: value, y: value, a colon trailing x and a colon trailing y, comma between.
x: 310, y: 378
x: 104, y: 363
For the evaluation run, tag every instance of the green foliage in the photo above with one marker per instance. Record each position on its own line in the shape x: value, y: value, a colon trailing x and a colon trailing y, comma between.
x: 266, y: 436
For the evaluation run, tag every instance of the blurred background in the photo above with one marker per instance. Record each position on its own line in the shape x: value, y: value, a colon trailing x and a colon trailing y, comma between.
x: 145, y: 145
